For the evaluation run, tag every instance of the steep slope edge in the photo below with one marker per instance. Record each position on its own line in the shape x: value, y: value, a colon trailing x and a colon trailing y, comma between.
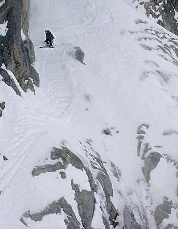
x: 17, y: 53
x: 163, y: 10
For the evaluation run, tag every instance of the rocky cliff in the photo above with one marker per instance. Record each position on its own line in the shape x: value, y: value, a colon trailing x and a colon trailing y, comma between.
x: 163, y: 10
x: 16, y: 49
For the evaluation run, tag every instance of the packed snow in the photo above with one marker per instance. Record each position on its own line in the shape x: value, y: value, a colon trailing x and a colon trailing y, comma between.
x: 119, y: 88
x: 3, y: 28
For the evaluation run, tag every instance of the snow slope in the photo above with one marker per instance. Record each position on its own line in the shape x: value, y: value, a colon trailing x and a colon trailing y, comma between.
x: 130, y: 78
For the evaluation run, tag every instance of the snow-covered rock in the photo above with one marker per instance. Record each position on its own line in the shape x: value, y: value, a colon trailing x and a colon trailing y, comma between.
x: 17, y: 52
x: 96, y: 146
x: 164, y: 11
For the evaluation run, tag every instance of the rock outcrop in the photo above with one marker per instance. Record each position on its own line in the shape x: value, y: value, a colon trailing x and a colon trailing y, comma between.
x: 150, y: 163
x: 151, y: 160
x: 162, y: 211
x: 16, y: 49
x: 79, y: 54
x: 144, y: 150
x: 2, y: 107
x: 162, y: 10
x: 96, y: 200
x: 99, y: 184
x: 130, y: 221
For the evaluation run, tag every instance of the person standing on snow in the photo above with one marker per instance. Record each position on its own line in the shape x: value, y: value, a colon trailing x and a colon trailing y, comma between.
x: 49, y: 38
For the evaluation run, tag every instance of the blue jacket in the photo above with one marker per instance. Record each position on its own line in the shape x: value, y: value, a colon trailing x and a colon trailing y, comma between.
x: 49, y: 36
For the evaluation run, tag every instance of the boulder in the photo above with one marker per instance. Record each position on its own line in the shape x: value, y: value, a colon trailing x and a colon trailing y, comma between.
x: 162, y: 211
x: 150, y: 163
x: 79, y: 54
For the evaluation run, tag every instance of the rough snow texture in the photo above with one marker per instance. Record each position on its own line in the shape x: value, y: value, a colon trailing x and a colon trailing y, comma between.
x: 96, y: 146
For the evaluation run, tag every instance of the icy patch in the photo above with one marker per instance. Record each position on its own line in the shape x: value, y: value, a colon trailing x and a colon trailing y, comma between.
x: 23, y: 35
x: 3, y: 28
x: 1, y: 3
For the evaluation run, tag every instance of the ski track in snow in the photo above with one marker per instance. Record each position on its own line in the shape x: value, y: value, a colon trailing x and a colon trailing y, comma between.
x: 53, y: 101
x: 58, y: 89
x: 68, y: 104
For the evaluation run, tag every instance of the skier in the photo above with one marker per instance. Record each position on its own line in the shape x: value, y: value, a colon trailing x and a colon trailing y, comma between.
x: 49, y: 38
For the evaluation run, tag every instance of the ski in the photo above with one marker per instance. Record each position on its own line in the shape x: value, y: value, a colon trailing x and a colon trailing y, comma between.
x: 45, y: 47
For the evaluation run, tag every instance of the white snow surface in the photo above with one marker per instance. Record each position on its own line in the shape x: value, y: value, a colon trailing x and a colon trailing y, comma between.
x: 76, y: 102
x: 1, y: 3
x: 3, y: 28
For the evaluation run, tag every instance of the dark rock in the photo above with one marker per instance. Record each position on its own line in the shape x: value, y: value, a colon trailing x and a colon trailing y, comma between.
x: 23, y: 221
x: 130, y: 221
x: 140, y: 137
x: 105, y: 183
x: 5, y: 158
x: 146, y: 149
x: 1, y: 40
x: 73, y: 222
x: 141, y: 128
x: 90, y: 179
x: 2, y: 105
x: 162, y: 211
x: 150, y: 163
x: 165, y: 11
x: 79, y: 54
x: 85, y: 198
x: 25, y: 16
x: 106, y: 131
x: 9, y: 81
x: 47, y: 168
x: 67, y: 157
x: 104, y: 186
x: 171, y: 226
x: 116, y: 172
x: 63, y: 175
x: 55, y: 208
x: 16, y: 54
x: 105, y: 222
x: 115, y: 222
x: 34, y: 76
x: 4, y: 10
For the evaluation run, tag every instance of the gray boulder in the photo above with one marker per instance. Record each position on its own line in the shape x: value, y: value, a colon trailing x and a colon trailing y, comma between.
x: 150, y: 163
x: 2, y: 105
x: 85, y: 198
x: 79, y: 54
x: 162, y: 211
